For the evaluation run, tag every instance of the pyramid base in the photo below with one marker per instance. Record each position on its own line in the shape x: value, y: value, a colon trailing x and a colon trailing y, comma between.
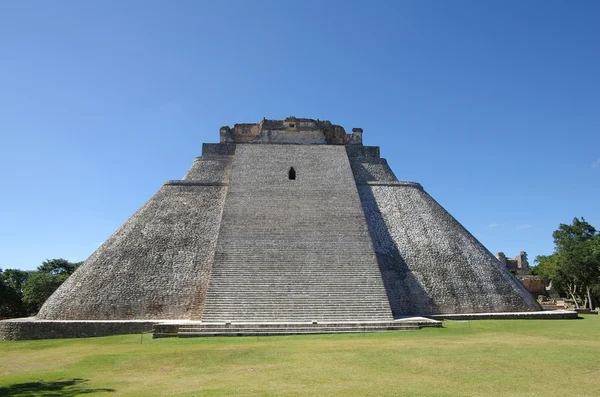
x: 30, y: 328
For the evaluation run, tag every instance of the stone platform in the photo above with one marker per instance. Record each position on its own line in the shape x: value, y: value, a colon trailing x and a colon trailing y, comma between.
x: 188, y: 329
x: 541, y: 315
x: 30, y: 328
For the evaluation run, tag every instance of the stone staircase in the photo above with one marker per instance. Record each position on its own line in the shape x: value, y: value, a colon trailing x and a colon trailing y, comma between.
x: 294, y: 250
x: 293, y: 291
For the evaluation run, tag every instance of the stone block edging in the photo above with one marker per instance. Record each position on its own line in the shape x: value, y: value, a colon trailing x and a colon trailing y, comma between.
x: 543, y: 315
x: 31, y: 329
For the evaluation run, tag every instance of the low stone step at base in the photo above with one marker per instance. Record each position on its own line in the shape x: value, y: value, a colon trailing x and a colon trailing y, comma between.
x: 199, y: 329
x: 252, y: 331
x: 259, y: 319
x: 276, y: 332
x: 543, y: 315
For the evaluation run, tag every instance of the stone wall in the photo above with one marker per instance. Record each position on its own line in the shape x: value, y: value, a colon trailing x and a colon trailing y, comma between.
x: 362, y: 151
x: 534, y: 285
x: 517, y: 265
x: 29, y: 329
x: 218, y: 149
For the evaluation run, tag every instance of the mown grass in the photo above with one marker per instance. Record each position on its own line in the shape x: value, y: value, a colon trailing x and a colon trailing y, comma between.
x: 498, y: 358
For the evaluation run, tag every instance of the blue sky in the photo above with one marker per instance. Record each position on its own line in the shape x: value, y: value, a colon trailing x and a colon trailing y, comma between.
x: 494, y: 107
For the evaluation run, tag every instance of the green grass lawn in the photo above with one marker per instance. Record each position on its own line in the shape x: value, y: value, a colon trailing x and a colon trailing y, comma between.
x: 498, y: 358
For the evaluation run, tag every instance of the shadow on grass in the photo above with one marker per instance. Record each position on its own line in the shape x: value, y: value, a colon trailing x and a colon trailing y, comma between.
x: 60, y: 388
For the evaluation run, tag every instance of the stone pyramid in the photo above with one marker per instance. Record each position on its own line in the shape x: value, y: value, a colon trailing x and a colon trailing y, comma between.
x: 286, y: 221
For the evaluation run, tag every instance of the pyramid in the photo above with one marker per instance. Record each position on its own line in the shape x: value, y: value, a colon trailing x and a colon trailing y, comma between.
x: 288, y: 221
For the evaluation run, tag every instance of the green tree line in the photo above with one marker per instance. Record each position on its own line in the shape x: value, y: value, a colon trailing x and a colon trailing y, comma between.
x: 22, y: 293
x: 574, y: 267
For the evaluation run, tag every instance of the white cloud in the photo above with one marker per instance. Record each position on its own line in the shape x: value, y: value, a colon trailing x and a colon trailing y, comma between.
x: 522, y: 227
x: 477, y: 234
x: 491, y: 225
x: 596, y: 164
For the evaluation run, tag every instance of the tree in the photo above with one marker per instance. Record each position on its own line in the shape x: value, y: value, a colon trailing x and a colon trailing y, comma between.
x: 574, y: 267
x: 576, y: 246
x: 14, y: 278
x: 548, y: 269
x: 10, y: 304
x: 58, y: 267
x: 11, y: 293
x: 41, y: 284
x: 23, y: 293
x: 38, y: 287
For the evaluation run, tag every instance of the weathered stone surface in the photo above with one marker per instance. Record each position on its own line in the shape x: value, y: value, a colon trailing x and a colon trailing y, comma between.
x: 213, y: 169
x: 218, y: 149
x: 362, y: 151
x: 371, y: 169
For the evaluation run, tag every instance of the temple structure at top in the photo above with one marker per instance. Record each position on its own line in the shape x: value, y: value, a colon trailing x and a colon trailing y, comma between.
x: 292, y: 130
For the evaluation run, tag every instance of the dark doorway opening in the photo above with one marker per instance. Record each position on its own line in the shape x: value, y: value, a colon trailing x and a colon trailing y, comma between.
x: 292, y: 173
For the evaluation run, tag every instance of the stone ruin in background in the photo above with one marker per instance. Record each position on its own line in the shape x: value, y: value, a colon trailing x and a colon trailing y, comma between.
x: 519, y: 266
